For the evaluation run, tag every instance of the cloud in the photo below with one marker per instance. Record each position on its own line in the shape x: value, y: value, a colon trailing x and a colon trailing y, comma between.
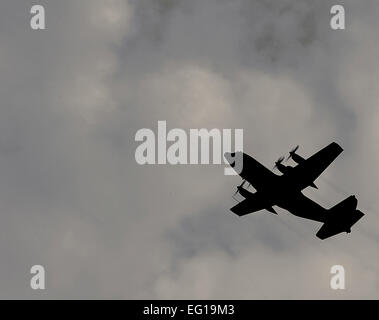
x: 74, y: 200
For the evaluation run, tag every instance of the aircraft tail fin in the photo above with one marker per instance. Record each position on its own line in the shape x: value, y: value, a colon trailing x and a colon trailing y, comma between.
x: 340, y: 218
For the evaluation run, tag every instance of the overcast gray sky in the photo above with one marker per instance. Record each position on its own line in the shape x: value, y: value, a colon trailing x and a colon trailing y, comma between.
x: 73, y: 199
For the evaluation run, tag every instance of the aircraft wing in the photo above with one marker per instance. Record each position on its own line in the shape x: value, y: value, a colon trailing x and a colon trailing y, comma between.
x: 310, y: 169
x: 245, y: 207
x: 301, y: 206
x: 298, y: 204
x: 253, y: 203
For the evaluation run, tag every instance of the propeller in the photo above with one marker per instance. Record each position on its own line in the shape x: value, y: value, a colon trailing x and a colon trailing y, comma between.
x: 240, y: 186
x: 292, y: 152
x: 279, y: 161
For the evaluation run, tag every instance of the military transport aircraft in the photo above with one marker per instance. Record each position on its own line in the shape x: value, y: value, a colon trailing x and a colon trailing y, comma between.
x: 284, y: 190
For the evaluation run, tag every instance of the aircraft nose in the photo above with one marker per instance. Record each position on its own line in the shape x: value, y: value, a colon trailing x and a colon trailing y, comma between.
x: 229, y: 156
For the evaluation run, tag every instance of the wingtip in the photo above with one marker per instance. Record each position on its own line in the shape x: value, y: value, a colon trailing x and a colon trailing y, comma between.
x: 337, y: 146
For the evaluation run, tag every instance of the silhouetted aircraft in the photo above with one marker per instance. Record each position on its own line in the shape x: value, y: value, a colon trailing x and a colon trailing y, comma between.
x: 284, y: 190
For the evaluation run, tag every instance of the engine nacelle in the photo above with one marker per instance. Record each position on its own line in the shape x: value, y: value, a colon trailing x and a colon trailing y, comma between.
x: 282, y: 168
x: 298, y: 159
x: 243, y: 192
